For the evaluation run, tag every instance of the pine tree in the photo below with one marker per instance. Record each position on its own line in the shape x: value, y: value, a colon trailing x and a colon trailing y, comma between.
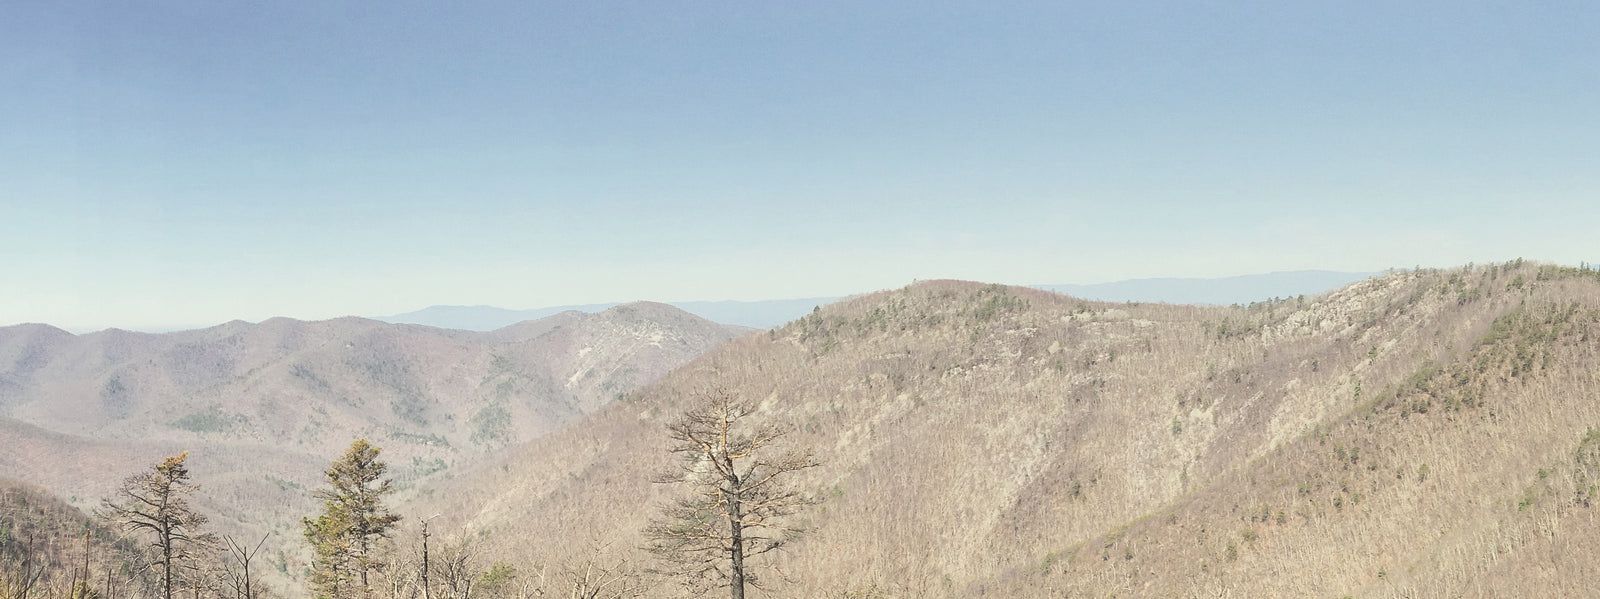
x: 155, y: 502
x: 739, y: 496
x: 354, y: 519
x: 329, y: 538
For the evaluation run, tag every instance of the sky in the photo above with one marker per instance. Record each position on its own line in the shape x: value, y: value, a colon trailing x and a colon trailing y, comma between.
x: 173, y: 164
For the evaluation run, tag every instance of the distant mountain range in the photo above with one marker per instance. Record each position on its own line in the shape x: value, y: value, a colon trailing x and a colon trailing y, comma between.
x: 313, y: 386
x: 774, y: 313
x: 265, y: 406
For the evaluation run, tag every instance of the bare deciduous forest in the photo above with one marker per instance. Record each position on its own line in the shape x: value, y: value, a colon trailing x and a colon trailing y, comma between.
x: 1425, y: 433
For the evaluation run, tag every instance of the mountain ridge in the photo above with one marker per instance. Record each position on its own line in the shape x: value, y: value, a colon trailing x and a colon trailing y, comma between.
x: 1411, y: 434
x: 991, y: 441
x: 764, y: 314
x: 263, y: 407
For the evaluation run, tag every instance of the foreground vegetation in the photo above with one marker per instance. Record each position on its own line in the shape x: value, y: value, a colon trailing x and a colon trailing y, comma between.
x: 737, y: 504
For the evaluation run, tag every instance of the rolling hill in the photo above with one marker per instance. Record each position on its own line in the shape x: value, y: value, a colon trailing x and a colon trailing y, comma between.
x: 264, y: 407
x: 1422, y: 433
x: 1429, y: 433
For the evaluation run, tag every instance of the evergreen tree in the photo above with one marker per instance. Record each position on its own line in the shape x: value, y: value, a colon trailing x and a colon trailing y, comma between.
x: 329, y: 538
x: 353, y: 520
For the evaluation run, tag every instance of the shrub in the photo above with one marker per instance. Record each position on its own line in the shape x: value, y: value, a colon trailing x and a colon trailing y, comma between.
x: 210, y: 420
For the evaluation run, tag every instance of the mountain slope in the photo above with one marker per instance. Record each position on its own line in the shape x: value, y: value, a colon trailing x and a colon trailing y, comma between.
x: 1471, y: 470
x: 264, y: 407
x: 315, y: 385
x: 992, y: 441
x: 60, y: 547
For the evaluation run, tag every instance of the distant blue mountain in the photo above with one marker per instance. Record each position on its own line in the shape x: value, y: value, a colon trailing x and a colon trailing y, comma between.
x: 773, y: 313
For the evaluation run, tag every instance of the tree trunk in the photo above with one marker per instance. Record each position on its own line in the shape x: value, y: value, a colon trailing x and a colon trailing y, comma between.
x: 361, y: 561
x: 166, y: 564
x: 425, y: 592
x: 247, y: 593
x: 736, y: 544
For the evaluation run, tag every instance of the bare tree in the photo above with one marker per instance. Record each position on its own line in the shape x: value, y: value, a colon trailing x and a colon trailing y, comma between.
x: 595, y: 577
x: 400, y: 575
x: 455, y: 569
x: 737, y: 495
x: 425, y: 583
x: 200, y: 578
x: 238, y: 568
x: 155, y: 502
x: 18, y: 581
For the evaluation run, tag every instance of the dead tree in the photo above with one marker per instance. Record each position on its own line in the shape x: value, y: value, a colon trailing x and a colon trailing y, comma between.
x: 155, y: 502
x: 19, y: 580
x: 238, y: 568
x: 456, y: 570
x: 596, y: 578
x: 737, y: 496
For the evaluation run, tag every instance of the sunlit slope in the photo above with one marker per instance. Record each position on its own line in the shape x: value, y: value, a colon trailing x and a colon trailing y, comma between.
x: 263, y: 408
x: 986, y: 440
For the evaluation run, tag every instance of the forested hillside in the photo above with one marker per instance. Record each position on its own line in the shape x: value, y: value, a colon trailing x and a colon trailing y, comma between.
x: 1423, y: 431
x: 263, y: 407
x: 51, y: 549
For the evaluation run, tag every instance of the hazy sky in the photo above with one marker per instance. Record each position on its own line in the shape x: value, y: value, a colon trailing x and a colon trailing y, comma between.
x: 185, y: 163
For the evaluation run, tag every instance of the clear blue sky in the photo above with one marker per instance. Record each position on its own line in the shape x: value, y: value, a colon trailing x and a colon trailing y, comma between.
x: 185, y: 163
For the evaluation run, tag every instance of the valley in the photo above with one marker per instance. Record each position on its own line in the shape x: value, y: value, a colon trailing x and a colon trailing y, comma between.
x: 263, y: 408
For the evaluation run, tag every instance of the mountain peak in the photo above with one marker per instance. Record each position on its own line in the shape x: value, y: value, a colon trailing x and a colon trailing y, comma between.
x: 33, y: 329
